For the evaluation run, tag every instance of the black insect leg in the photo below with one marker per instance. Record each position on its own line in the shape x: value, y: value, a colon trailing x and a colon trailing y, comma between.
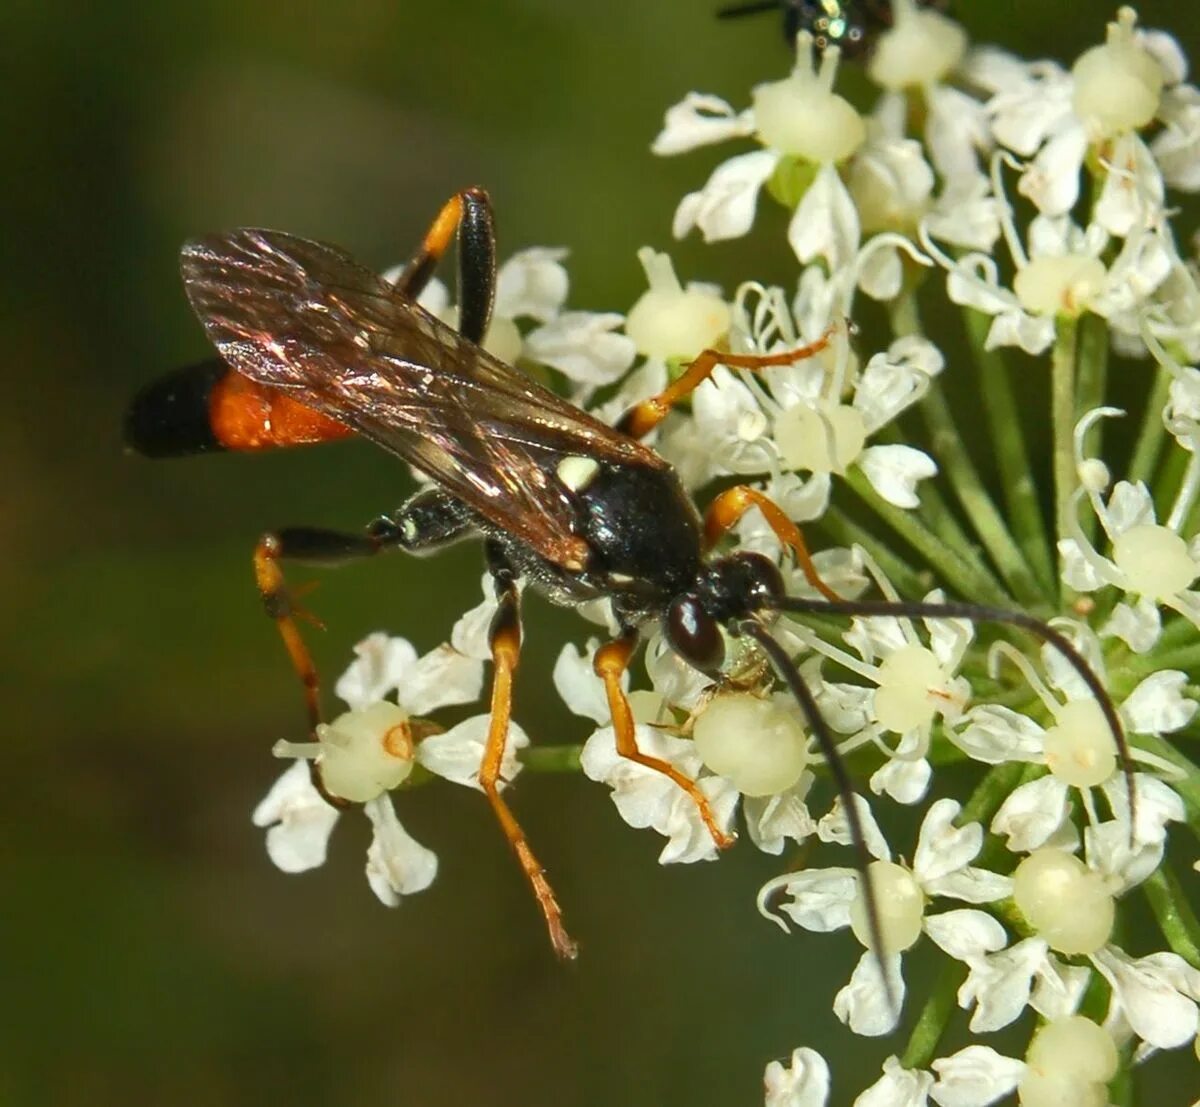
x: 427, y: 521
x: 470, y: 214
x: 505, y: 639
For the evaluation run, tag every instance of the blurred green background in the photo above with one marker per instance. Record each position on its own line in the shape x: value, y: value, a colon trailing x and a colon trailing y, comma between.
x: 149, y: 953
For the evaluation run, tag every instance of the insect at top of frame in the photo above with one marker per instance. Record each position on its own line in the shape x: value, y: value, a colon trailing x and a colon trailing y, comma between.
x: 851, y: 25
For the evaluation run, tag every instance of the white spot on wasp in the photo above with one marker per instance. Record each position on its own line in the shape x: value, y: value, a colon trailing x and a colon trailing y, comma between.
x: 409, y: 529
x: 619, y: 578
x: 577, y: 472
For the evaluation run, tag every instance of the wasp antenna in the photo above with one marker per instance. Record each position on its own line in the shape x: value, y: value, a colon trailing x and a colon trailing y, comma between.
x: 977, y: 613
x: 748, y: 7
x: 820, y: 728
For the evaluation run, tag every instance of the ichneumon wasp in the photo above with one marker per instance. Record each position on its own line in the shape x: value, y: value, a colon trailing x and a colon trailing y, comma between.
x: 316, y: 347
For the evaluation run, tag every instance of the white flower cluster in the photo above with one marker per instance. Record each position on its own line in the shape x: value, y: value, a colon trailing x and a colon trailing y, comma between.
x: 1040, y: 858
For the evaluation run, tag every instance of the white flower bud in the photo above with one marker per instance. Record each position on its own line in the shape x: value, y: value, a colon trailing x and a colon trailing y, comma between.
x: 754, y: 743
x: 803, y: 116
x: 921, y: 48
x: 1155, y: 561
x: 671, y: 321
x: 1117, y: 85
x: 901, y: 906
x: 1079, y: 748
x: 1070, y: 1060
x: 364, y: 753
x: 1059, y: 284
x: 1074, y: 1046
x: 1064, y: 901
x: 820, y: 441
x: 910, y: 680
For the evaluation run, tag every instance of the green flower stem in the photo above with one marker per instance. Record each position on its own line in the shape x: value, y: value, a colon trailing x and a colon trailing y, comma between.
x: 1063, y: 368
x: 551, y: 759
x: 965, y: 577
x: 997, y: 785
x: 1186, y: 658
x: 1148, y: 448
x: 934, y: 1017
x: 980, y: 509
x: 1012, y: 455
x: 1176, y: 919
x: 845, y: 531
x: 1093, y: 380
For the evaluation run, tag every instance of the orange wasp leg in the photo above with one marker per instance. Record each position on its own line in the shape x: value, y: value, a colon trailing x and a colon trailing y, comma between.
x: 724, y: 512
x: 642, y: 418
x: 505, y: 640
x: 610, y: 664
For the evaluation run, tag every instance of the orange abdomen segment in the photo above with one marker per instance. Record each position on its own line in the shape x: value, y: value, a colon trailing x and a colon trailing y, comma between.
x: 245, y: 415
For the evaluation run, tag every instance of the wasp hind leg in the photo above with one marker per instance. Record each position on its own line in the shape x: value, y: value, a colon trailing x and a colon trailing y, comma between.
x: 428, y: 521
x: 469, y: 213
x: 505, y: 638
x: 610, y: 663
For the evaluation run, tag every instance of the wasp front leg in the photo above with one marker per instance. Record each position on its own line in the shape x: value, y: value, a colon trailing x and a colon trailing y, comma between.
x: 610, y: 663
x: 505, y: 638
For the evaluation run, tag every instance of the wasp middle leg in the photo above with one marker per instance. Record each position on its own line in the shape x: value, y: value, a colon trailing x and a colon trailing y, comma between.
x: 505, y: 639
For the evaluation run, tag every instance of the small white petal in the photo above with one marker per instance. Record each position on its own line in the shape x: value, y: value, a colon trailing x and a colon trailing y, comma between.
x: 881, y: 275
x: 1132, y: 190
x: 975, y: 1077
x: 825, y: 223
x: 440, y: 678
x: 647, y: 798
x: 1138, y: 625
x: 894, y: 472
x: 583, y: 347
x: 1032, y: 813
x: 724, y: 207
x: 1157, y: 994
x: 674, y: 679
x: 1079, y: 570
x: 1032, y: 333
x: 1052, y: 179
x: 773, y: 821
x: 966, y: 934
x: 903, y: 780
x: 382, y: 664
x: 820, y: 898
x: 470, y: 633
x: 971, y: 885
x: 897, y: 1087
x: 577, y: 683
x: 863, y: 1004
x: 995, y: 735
x: 804, y: 1083
x: 457, y: 754
x: 397, y: 864
x: 1157, y: 805
x: 532, y: 283
x: 1109, y: 853
x: 999, y: 984
x: 942, y: 847
x: 1059, y: 988
x: 300, y: 821
x: 1157, y: 705
x: 835, y: 827
x: 700, y: 120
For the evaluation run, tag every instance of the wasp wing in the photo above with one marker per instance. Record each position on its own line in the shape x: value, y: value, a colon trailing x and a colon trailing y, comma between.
x: 306, y: 318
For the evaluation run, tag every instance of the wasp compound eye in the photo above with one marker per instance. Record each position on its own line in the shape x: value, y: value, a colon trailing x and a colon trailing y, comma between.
x: 695, y: 635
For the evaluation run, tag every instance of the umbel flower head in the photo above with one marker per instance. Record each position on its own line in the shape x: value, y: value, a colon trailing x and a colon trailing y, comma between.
x: 930, y: 469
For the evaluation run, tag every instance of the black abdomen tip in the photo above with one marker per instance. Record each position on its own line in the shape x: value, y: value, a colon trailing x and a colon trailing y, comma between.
x: 170, y: 417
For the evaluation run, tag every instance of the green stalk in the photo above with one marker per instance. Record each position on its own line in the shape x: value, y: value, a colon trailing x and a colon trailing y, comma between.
x: 1188, y: 785
x: 1148, y: 448
x: 1012, y: 454
x: 551, y: 759
x: 1176, y: 919
x: 1092, y: 382
x: 934, y: 1017
x: 846, y: 532
x: 980, y: 509
x: 966, y: 578
x: 1063, y: 368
